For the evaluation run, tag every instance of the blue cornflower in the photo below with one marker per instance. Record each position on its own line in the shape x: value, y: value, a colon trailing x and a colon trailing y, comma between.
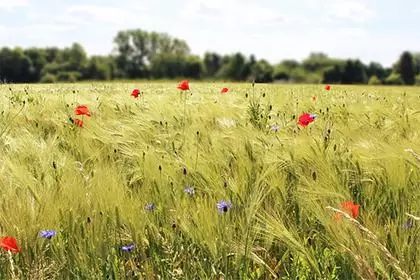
x: 189, y: 190
x: 150, y: 207
x: 275, y: 128
x: 408, y: 224
x: 223, y: 206
x: 48, y: 234
x: 128, y: 248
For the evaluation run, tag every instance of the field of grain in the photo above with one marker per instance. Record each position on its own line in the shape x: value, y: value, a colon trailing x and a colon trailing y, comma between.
x: 202, y: 185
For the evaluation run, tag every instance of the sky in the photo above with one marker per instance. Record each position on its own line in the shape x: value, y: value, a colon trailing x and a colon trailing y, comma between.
x: 371, y: 30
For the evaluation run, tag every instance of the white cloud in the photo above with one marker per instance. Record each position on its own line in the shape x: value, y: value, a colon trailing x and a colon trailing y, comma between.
x: 10, y: 4
x: 239, y: 14
x: 112, y: 15
x: 349, y: 10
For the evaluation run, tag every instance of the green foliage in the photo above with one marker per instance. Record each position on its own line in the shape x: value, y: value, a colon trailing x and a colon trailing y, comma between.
x: 354, y: 72
x: 332, y: 74
x: 48, y: 78
x: 139, y: 54
x: 92, y: 184
x: 406, y: 68
x: 376, y: 69
x: 374, y: 80
x: 258, y: 113
x: 280, y: 73
x: 418, y: 80
x: 416, y: 61
x: 262, y: 72
x: 68, y: 76
x: 394, y: 79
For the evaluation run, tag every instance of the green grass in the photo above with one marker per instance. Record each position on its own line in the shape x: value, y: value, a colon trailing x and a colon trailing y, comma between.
x: 92, y: 184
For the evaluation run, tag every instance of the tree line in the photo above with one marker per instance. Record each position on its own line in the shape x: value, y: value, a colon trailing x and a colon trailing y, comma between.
x: 139, y: 54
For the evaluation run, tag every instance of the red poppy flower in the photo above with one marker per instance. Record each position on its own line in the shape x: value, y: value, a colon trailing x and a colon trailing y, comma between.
x: 327, y: 87
x: 351, y: 208
x: 135, y: 92
x: 306, y: 119
x: 9, y: 243
x: 184, y: 85
x: 224, y: 90
x: 82, y: 110
x: 78, y: 122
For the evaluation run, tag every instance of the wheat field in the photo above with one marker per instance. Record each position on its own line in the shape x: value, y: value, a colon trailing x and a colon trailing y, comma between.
x: 202, y: 185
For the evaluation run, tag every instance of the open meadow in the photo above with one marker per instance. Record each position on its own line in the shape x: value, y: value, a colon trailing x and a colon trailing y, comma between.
x: 199, y: 184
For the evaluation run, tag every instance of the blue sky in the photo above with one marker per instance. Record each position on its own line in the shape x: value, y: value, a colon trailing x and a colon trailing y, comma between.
x: 372, y: 30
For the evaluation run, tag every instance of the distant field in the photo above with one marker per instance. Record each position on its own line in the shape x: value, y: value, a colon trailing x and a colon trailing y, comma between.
x: 208, y: 185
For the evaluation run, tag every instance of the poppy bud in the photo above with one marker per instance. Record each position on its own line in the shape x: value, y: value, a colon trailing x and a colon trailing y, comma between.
x: 160, y: 168
x: 89, y: 220
x: 263, y: 94
x: 185, y: 171
x: 246, y: 95
x: 54, y: 165
x: 314, y: 175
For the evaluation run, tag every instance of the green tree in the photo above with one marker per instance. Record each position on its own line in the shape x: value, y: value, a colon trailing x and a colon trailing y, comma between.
x: 135, y: 51
x: 167, y: 65
x: 15, y: 66
x: 212, y: 63
x: 262, y: 72
x: 394, y: 79
x: 233, y: 67
x: 280, y: 73
x: 333, y: 74
x: 316, y: 61
x: 376, y: 69
x: 405, y: 67
x: 416, y: 59
x: 98, y: 68
x: 354, y: 72
x: 38, y: 58
x: 193, y: 67
x: 374, y: 80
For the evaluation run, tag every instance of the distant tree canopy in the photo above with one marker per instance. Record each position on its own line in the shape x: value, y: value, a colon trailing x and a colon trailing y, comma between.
x: 138, y: 54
